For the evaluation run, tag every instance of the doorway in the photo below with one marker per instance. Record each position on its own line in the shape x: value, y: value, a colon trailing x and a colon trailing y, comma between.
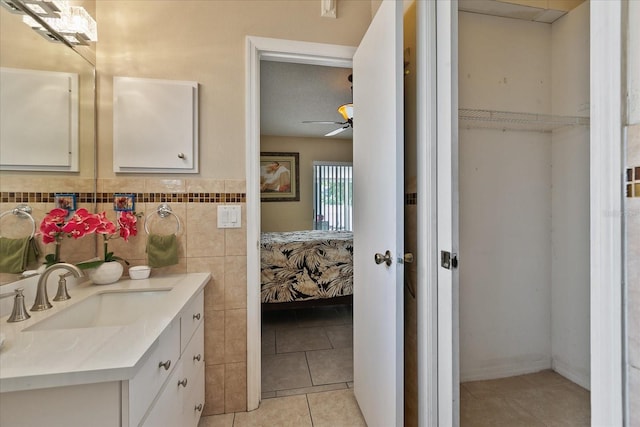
x: 307, y: 275
x: 283, y: 51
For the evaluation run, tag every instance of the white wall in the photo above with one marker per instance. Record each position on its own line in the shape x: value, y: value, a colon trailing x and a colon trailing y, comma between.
x: 570, y: 294
x: 505, y: 203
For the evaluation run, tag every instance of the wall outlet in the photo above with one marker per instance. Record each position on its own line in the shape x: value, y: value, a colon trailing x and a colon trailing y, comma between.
x: 229, y: 216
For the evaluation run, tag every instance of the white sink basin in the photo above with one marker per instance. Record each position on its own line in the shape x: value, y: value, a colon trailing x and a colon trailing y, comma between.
x: 110, y: 308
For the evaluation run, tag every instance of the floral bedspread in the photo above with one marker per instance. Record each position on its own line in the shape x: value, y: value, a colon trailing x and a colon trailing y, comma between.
x: 306, y: 265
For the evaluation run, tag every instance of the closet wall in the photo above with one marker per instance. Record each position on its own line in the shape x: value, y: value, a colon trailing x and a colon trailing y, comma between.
x: 517, y: 190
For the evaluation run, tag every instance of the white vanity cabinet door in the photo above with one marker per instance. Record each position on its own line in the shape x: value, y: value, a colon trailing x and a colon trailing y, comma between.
x: 146, y: 384
x: 192, y: 316
x: 167, y: 410
x: 193, y: 404
x: 193, y: 371
x: 182, y: 399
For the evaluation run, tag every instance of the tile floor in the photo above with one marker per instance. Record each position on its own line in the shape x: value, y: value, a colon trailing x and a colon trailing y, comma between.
x: 307, y: 380
x: 542, y: 399
x: 307, y: 372
x: 306, y: 351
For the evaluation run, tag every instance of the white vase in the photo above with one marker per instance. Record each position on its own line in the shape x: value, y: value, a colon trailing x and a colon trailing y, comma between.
x: 106, y: 273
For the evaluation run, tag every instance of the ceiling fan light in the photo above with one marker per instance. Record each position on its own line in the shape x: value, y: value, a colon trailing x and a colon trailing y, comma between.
x: 346, y: 110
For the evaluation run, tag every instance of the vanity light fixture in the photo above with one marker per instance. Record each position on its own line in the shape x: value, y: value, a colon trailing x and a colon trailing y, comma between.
x: 72, y: 23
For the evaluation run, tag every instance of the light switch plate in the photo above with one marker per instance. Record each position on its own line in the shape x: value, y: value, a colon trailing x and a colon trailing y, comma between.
x: 229, y: 216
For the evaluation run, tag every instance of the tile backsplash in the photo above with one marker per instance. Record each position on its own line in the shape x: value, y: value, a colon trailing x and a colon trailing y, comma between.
x: 202, y: 247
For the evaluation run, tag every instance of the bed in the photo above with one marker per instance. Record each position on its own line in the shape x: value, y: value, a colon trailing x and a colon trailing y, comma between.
x: 313, y: 265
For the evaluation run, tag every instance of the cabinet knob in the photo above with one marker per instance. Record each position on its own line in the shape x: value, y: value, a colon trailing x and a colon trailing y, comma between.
x: 198, y: 407
x: 165, y: 365
x: 197, y: 357
x: 181, y: 155
x: 196, y: 316
x: 182, y: 383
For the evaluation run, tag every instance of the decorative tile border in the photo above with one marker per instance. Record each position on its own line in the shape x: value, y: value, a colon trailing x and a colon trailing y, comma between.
x: 35, y: 197
x: 18, y: 197
x: 411, y: 198
x: 633, y: 182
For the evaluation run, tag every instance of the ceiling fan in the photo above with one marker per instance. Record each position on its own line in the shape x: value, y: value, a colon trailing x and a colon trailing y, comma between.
x: 346, y: 110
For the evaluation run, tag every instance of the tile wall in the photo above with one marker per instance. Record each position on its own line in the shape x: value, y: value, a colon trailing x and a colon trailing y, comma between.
x: 202, y: 247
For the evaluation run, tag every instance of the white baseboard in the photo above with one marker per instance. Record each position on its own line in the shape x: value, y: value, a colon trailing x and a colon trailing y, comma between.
x: 578, y: 376
x: 506, y: 370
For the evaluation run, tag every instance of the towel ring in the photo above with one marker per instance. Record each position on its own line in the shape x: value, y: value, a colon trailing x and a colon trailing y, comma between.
x: 164, y: 210
x: 24, y: 211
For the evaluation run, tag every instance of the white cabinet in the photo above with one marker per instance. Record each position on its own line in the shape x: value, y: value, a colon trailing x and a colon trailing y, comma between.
x: 182, y: 399
x: 148, y: 381
x: 179, y: 386
x: 155, y: 125
x: 39, y: 116
x: 167, y: 389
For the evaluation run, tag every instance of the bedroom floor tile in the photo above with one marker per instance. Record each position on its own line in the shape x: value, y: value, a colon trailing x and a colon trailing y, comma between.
x: 331, y: 366
x: 285, y: 371
x: 269, y: 342
x: 309, y: 390
x: 335, y: 409
x: 301, y: 339
x: 322, y: 316
x: 279, y: 319
x: 290, y: 332
x: 341, y: 336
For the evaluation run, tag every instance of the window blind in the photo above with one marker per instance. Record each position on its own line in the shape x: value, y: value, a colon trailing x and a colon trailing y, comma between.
x: 333, y: 196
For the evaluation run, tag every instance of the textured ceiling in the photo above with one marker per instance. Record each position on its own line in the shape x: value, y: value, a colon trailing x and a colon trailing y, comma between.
x: 292, y: 93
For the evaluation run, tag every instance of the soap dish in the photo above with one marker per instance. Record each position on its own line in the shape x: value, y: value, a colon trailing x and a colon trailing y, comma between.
x: 139, y: 272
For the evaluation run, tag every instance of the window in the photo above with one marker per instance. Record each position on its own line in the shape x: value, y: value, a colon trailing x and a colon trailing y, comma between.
x: 332, y: 196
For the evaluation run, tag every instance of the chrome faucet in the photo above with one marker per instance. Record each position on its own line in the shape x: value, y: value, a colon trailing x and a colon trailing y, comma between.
x: 19, y: 312
x: 42, y: 299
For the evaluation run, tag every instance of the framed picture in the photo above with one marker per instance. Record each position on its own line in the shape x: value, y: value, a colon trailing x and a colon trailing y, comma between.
x: 279, y: 177
x: 124, y: 202
x: 65, y: 201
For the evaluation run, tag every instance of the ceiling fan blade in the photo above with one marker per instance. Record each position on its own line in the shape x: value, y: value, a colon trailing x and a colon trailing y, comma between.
x: 324, y: 123
x: 337, y: 131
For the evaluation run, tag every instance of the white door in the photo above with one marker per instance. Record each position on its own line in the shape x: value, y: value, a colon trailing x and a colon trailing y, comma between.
x: 378, y: 219
x: 447, y: 212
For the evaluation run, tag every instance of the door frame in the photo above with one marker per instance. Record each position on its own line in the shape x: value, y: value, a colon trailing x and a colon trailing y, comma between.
x: 606, y: 216
x: 270, y: 49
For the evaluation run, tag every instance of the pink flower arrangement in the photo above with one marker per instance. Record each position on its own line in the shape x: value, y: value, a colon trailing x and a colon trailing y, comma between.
x: 53, y: 228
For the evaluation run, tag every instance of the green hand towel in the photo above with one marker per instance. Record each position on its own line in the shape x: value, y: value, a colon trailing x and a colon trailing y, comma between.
x: 17, y: 254
x: 162, y: 251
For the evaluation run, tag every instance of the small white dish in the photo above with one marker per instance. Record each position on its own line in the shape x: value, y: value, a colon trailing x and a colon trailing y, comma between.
x: 139, y: 272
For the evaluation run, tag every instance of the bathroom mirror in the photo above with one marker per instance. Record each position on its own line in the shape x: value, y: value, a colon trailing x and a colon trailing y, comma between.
x: 22, y: 48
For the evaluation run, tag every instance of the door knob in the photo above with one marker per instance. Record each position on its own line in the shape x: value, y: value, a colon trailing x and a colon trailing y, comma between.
x: 386, y: 258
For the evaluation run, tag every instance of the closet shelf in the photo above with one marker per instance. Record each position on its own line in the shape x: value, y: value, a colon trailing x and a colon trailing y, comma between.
x: 507, y: 120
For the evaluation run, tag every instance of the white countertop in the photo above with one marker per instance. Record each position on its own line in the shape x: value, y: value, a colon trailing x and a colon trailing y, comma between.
x: 53, y: 358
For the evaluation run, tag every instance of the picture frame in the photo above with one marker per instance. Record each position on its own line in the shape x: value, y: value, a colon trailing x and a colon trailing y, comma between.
x: 124, y: 202
x: 65, y: 201
x: 279, y: 177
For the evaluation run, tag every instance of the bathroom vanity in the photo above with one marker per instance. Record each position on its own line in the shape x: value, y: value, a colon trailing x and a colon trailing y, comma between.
x: 126, y: 354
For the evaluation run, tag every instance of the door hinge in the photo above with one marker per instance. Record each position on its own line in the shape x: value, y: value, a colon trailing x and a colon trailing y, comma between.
x: 448, y: 260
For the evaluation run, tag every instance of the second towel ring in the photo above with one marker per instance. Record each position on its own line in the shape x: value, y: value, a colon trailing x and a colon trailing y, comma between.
x: 25, y: 211
x: 164, y: 210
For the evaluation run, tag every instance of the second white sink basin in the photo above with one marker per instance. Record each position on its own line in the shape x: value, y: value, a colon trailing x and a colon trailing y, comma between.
x: 109, y: 308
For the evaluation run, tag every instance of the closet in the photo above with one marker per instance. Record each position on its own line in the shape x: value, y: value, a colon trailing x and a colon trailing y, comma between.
x: 524, y: 196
